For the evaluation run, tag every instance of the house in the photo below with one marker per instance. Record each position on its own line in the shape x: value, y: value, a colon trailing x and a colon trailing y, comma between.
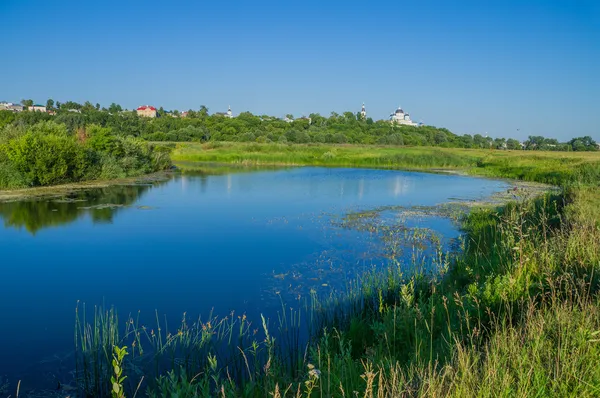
x: 37, y: 108
x: 9, y: 106
x: 184, y: 114
x: 146, y: 111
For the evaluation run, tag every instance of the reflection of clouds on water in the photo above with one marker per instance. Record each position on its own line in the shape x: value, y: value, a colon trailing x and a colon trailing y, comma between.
x: 317, y: 184
x: 184, y: 183
x: 361, y: 188
x: 401, y: 186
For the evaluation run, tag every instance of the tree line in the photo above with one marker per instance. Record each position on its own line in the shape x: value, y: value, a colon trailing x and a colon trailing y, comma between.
x: 345, y: 128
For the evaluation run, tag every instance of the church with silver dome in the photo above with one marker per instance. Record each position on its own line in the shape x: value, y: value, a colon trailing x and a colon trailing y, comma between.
x: 400, y: 117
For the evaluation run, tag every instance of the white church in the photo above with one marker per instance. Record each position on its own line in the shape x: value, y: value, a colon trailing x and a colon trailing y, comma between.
x: 400, y: 117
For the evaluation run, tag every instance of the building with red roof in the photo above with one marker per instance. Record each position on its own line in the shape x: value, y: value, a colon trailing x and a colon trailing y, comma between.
x: 146, y: 111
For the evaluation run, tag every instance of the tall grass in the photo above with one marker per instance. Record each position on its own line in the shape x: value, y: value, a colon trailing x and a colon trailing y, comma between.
x: 556, y: 168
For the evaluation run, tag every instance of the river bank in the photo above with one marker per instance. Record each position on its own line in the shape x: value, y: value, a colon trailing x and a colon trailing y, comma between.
x: 555, y: 168
x: 58, y: 191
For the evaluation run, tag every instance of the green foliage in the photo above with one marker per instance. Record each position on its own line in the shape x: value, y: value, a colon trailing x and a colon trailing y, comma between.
x: 45, y: 159
x: 47, y: 153
x: 10, y: 177
x: 199, y: 126
x: 117, y: 379
x: 173, y: 385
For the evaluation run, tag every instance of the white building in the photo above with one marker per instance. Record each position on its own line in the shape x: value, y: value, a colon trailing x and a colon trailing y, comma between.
x: 363, y: 112
x: 399, y: 117
x: 10, y: 106
x: 228, y: 114
x: 37, y: 108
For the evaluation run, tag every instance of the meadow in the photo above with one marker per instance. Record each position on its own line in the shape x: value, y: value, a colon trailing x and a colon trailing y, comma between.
x: 555, y: 168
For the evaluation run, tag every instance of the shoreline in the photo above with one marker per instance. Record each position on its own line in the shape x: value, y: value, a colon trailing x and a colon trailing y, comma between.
x: 66, y: 189
x: 530, y: 188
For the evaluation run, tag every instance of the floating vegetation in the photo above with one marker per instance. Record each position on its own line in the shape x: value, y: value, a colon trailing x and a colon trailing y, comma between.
x: 102, y: 206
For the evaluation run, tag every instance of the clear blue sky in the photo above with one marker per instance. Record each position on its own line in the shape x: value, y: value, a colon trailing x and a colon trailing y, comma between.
x: 470, y: 66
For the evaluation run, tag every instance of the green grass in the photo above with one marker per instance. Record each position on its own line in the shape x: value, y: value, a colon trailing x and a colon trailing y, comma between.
x: 556, y: 168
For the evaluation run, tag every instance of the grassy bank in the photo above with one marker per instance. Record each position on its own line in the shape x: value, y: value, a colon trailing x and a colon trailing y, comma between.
x: 556, y: 168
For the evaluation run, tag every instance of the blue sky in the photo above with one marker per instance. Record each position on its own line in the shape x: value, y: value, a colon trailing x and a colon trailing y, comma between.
x: 509, y: 68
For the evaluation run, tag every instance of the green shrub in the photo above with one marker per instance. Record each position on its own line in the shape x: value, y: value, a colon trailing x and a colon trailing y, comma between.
x: 111, y: 169
x: 44, y: 159
x: 10, y: 177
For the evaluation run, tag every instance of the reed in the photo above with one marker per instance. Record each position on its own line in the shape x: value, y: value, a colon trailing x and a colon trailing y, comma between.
x: 557, y: 168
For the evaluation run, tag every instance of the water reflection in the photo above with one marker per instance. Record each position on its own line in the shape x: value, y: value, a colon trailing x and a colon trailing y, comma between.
x: 102, y: 204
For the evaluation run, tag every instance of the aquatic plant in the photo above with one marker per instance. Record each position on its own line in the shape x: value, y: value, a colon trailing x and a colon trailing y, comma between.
x: 118, y: 378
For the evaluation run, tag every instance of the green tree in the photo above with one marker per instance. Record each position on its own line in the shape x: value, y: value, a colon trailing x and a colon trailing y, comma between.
x: 71, y: 105
x: 50, y: 103
x: 500, y: 143
x: 114, y: 108
x: 87, y: 107
x: 27, y: 102
x: 511, y: 143
x: 534, y: 142
x: 583, y: 144
x: 203, y: 112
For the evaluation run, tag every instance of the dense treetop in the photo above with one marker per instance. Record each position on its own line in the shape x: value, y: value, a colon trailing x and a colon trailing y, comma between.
x: 343, y: 128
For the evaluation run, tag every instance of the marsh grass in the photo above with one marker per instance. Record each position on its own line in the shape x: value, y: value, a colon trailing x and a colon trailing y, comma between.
x: 556, y: 168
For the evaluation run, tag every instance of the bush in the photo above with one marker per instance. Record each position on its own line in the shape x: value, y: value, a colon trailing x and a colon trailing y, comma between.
x: 111, y: 169
x: 44, y: 159
x: 47, y: 154
x: 10, y: 177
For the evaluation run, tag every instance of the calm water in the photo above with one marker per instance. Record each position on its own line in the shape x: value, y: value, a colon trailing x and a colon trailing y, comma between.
x: 194, y: 243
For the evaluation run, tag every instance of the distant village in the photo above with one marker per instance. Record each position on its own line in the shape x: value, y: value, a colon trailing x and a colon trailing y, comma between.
x: 399, y: 116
